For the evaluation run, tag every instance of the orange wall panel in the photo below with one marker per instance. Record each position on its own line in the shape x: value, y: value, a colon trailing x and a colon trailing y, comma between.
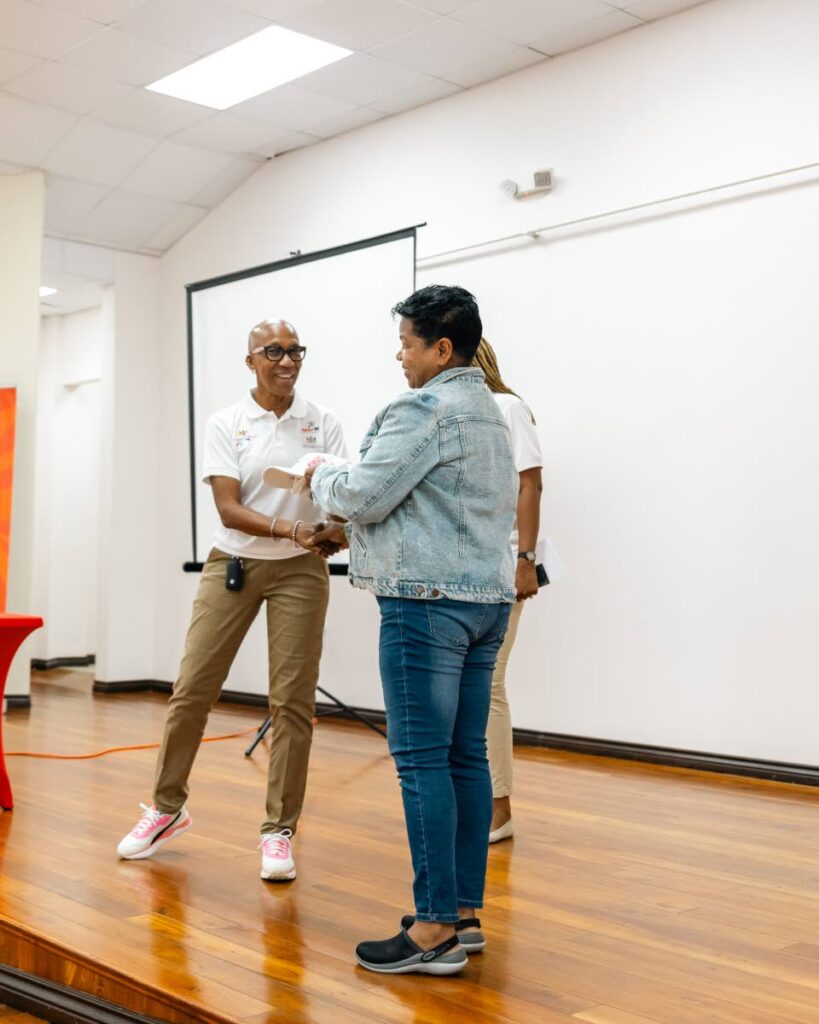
x: 7, y: 418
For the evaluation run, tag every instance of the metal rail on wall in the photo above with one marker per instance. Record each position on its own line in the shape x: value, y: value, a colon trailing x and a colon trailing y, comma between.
x: 652, y: 204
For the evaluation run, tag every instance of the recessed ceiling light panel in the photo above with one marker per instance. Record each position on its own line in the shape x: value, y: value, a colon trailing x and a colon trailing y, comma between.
x: 252, y: 66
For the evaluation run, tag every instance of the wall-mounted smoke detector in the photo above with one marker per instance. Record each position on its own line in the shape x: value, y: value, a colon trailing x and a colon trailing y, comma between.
x: 543, y: 183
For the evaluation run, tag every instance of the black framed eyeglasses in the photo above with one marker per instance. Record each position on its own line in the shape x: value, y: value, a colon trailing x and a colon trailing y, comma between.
x: 275, y: 353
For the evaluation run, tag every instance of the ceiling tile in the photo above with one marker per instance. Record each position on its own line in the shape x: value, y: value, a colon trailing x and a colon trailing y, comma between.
x: 102, y: 11
x: 93, y: 151
x: 198, y: 25
x: 432, y: 89
x: 65, y: 87
x: 180, y: 224
x: 442, y: 6
x: 272, y: 10
x: 28, y: 130
x: 226, y: 133
x: 127, y: 221
x: 495, y: 66
x: 443, y: 46
x: 13, y: 64
x: 126, y: 58
x: 228, y: 180
x: 586, y: 33
x: 7, y: 168
x: 521, y: 21
x: 74, y: 295
x: 175, y: 171
x: 358, y: 24
x: 347, y: 122
x: 68, y: 202
x: 291, y: 107
x: 41, y: 32
x: 151, y: 112
x: 361, y: 79
x: 285, y: 141
x: 78, y: 259
x: 648, y: 10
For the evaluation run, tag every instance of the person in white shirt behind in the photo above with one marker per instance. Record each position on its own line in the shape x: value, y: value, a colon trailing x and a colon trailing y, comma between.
x: 529, y: 463
x: 261, y: 550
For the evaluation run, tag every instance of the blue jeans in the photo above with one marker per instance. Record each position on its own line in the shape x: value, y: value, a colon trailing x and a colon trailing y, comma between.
x: 437, y: 660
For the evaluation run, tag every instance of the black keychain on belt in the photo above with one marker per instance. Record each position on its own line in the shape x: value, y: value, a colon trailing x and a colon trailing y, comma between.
x: 235, y: 575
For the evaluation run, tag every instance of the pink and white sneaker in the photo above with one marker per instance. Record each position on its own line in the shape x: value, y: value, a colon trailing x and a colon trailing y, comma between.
x: 153, y: 830
x: 277, y: 856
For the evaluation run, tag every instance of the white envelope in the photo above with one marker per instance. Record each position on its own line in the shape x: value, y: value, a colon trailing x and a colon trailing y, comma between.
x: 547, y: 556
x: 275, y: 476
x: 291, y: 478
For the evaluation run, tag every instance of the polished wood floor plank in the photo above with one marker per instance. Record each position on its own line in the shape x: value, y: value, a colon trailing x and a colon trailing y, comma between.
x: 632, y: 894
x: 608, y: 1015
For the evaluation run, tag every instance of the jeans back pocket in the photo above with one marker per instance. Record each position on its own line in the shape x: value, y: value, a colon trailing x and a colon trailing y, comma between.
x: 447, y: 623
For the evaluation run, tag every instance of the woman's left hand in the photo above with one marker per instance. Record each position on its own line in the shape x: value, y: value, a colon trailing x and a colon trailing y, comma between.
x: 313, y: 465
x: 525, y: 580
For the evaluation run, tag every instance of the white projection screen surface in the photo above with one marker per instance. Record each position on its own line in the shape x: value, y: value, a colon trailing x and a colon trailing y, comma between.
x: 339, y: 301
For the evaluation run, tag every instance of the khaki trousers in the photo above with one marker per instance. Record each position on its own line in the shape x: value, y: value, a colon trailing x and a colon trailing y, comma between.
x: 499, y: 727
x: 295, y: 591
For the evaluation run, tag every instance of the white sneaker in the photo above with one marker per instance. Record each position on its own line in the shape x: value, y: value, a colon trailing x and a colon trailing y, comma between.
x: 506, y: 831
x: 277, y: 856
x: 153, y: 830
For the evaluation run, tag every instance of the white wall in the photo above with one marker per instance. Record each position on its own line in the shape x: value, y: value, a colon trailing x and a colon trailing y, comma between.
x: 131, y: 524
x: 680, y: 427
x: 668, y: 361
x: 69, y: 431
x: 22, y: 198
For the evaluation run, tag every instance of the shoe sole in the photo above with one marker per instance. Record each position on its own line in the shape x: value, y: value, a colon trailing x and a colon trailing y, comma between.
x: 286, y: 877
x: 416, y: 968
x: 144, y: 854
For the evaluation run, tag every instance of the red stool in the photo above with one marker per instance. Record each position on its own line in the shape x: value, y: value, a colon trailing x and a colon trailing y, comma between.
x: 13, y: 631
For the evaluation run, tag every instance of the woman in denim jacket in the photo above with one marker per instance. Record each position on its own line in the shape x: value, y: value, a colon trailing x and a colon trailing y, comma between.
x: 430, y: 509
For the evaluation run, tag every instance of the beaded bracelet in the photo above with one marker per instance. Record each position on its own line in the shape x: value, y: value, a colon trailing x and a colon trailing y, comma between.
x: 296, y: 525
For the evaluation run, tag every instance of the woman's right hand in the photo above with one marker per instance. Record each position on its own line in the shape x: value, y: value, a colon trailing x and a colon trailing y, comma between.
x: 304, y: 534
x: 322, y: 539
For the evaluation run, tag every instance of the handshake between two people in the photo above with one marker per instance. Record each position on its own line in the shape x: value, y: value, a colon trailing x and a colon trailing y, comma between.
x: 323, y: 538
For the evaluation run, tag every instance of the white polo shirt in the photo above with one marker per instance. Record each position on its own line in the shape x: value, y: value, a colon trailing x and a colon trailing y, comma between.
x: 242, y: 441
x: 525, y: 443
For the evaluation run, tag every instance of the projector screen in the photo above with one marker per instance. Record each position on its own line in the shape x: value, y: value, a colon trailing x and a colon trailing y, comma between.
x: 339, y: 301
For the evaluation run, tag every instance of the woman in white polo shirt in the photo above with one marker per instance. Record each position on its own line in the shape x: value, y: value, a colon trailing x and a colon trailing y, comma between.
x: 268, y: 529
x: 528, y: 462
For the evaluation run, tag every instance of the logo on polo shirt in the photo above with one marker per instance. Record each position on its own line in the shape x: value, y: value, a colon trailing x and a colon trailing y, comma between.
x: 241, y: 439
x: 310, y: 434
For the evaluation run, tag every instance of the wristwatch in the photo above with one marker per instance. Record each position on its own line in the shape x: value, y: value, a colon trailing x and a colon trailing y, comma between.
x: 530, y: 556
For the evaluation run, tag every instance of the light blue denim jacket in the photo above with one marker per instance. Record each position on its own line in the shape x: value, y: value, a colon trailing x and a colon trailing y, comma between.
x: 432, y: 502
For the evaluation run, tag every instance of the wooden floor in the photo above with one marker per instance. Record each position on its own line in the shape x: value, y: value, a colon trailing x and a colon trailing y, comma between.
x: 632, y: 895
x: 9, y: 1016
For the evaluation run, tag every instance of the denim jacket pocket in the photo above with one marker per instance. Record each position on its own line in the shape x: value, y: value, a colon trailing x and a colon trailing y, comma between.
x: 445, y: 625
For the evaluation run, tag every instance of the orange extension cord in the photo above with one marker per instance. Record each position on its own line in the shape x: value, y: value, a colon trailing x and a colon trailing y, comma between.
x: 116, y: 750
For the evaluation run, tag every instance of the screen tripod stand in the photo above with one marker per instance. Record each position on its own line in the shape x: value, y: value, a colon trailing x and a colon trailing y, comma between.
x: 340, y: 708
